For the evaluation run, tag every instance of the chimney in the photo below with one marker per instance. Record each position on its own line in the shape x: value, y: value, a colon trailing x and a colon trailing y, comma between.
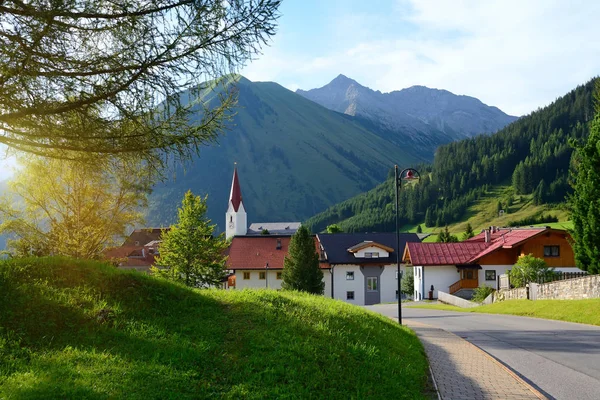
x: 488, y: 235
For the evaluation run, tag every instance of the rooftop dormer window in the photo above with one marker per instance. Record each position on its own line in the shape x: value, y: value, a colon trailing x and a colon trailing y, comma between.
x: 278, y: 247
x: 371, y: 254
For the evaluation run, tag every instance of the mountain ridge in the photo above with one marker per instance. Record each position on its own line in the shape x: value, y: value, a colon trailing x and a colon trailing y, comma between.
x: 458, y: 116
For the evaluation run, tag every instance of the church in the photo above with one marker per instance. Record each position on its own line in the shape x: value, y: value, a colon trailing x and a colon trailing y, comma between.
x: 236, y: 219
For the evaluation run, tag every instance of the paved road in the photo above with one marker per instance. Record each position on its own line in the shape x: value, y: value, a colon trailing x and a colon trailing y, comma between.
x: 560, y: 359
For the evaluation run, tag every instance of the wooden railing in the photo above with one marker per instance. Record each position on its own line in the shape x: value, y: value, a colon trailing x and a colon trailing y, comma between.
x: 463, y: 284
x: 455, y: 287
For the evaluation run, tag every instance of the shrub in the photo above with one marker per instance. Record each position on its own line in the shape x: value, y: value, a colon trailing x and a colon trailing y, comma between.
x: 530, y: 269
x: 481, y: 293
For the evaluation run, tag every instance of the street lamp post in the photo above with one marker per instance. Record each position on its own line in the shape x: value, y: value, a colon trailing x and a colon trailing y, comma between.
x: 406, y: 174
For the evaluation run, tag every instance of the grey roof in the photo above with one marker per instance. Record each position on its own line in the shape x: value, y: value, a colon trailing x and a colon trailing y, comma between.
x: 274, y: 228
x: 336, y: 246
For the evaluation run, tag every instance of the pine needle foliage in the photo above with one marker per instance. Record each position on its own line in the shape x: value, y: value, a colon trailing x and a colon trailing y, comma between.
x: 107, y: 77
x: 301, y: 266
x: 584, y: 203
x: 188, y: 252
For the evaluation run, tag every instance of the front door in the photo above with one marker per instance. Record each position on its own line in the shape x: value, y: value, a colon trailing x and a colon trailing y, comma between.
x: 372, y: 284
x: 469, y: 278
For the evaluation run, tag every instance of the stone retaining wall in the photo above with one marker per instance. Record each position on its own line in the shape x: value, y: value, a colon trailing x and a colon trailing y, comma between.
x: 587, y: 287
x: 510, y: 294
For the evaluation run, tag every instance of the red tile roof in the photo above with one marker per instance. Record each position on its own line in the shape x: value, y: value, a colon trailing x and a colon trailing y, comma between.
x: 443, y: 253
x: 254, y: 252
x: 236, y: 193
x: 471, y: 250
x: 121, y: 252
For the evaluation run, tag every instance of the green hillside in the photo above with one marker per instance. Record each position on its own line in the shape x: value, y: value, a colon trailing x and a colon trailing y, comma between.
x: 84, y: 330
x: 295, y: 158
x: 531, y: 155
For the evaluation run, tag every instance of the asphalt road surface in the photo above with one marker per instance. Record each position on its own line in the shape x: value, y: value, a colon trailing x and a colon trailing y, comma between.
x: 560, y: 359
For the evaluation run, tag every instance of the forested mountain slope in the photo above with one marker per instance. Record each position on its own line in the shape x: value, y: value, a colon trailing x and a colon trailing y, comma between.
x: 294, y: 157
x: 531, y: 154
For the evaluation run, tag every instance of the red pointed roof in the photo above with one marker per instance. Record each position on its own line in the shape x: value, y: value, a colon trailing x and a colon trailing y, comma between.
x: 235, y: 196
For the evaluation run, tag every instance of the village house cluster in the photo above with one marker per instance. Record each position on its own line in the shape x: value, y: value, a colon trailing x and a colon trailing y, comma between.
x: 361, y: 268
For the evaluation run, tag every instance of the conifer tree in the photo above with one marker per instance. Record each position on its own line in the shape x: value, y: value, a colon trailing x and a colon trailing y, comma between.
x: 188, y: 252
x: 468, y: 232
x: 445, y: 237
x: 429, y: 222
x: 301, y: 266
x: 584, y: 203
x: 539, y: 194
x: 419, y: 229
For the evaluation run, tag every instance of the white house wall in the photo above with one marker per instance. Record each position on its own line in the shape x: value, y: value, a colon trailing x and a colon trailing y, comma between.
x: 273, y: 283
x: 371, y: 249
x: 389, y: 283
x: 255, y: 282
x: 341, y: 285
x: 500, y: 269
x: 441, y: 277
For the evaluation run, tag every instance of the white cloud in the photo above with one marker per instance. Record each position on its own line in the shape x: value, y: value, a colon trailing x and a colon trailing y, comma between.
x: 517, y: 55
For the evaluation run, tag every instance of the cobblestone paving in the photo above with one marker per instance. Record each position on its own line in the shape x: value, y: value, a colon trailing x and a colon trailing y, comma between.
x: 462, y: 371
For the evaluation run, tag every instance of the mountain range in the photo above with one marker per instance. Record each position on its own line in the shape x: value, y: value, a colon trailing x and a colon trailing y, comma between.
x: 296, y: 157
x: 412, y: 111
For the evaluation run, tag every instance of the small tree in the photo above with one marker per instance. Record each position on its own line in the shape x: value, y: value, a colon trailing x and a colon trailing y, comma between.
x: 530, y: 269
x: 334, y: 228
x: 468, y: 232
x: 188, y: 252
x: 419, y: 229
x: 407, y: 286
x: 445, y: 236
x: 301, y: 266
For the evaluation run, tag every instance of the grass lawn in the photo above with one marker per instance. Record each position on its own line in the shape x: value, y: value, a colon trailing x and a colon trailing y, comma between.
x: 483, y: 213
x: 583, y: 311
x: 85, y: 330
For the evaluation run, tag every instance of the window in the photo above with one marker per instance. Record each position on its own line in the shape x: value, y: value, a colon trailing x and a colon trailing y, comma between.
x: 551, y: 251
x: 246, y: 275
x: 349, y: 295
x: 490, y: 275
x: 262, y: 275
x: 396, y: 295
x: 372, y: 284
x: 279, y: 275
x: 350, y: 275
x: 371, y: 254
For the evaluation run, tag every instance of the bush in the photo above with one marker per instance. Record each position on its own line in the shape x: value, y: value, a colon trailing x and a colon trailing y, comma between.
x: 530, y: 269
x: 481, y: 293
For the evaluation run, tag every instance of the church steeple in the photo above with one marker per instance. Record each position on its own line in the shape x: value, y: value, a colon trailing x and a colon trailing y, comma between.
x: 235, y: 217
x: 235, y: 196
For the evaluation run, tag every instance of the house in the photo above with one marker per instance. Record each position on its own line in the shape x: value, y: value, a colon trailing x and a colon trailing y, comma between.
x: 236, y: 218
x: 459, y: 268
x: 257, y: 261
x: 362, y: 267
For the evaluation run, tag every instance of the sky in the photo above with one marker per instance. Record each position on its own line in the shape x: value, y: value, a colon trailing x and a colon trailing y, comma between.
x: 516, y: 55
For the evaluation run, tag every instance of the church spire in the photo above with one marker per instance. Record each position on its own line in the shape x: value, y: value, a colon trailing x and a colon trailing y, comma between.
x: 235, y: 218
x: 235, y: 197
